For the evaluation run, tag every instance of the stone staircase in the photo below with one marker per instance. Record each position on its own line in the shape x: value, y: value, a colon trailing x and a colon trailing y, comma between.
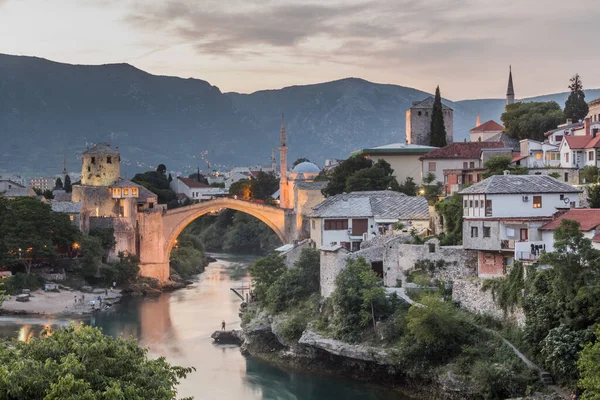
x: 546, y: 378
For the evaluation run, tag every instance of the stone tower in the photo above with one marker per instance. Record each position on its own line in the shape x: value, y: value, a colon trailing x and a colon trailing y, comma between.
x: 100, y: 165
x: 418, y: 122
x: 284, y: 196
x: 510, y: 91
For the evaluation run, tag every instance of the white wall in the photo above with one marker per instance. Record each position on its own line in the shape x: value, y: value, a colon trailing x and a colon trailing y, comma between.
x: 512, y: 205
x: 442, y: 164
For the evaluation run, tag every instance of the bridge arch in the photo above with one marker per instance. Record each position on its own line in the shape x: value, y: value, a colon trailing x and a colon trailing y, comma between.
x: 175, y: 221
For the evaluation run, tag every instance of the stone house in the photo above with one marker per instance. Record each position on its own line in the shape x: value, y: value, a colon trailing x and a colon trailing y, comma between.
x: 347, y: 220
x: 502, y: 216
x: 404, y: 158
x: 77, y: 213
x: 418, y: 122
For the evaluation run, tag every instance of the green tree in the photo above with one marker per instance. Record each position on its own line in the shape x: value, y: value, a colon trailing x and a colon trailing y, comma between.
x: 92, y: 254
x: 242, y: 189
x: 265, y: 271
x: 588, y: 366
x: 106, y: 236
x: 78, y: 362
x: 30, y: 232
x: 531, y: 120
x: 358, y: 299
x: 158, y: 184
x: 498, y: 164
x: 161, y: 169
x: 451, y: 210
x: 58, y: 184
x: 377, y: 177
x: 409, y: 187
x: 339, y: 175
x: 300, y: 160
x: 593, y: 197
x: 590, y: 173
x: 576, y: 107
x: 68, y: 185
x: 438, y: 129
x: 264, y: 185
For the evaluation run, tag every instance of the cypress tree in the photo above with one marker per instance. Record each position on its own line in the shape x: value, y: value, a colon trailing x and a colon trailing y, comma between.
x: 438, y: 130
x: 58, y: 185
x: 68, y: 186
x: 575, y: 107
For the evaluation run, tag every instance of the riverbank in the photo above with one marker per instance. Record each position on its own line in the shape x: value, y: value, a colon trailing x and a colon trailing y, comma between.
x: 64, y: 302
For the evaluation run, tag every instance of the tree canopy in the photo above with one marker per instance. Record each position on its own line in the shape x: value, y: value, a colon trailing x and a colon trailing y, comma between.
x: 531, y: 120
x: 498, y: 164
x: 359, y: 173
x: 158, y: 184
x: 58, y: 184
x: 68, y: 185
x: 438, y: 129
x: 576, y: 107
x: 198, y: 178
x: 161, y: 169
x: 78, y: 362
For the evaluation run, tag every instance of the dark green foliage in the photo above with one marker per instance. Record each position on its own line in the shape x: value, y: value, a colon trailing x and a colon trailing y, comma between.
x: 588, y: 366
x: 438, y: 130
x: 358, y: 300
x: 68, y: 185
x: 123, y: 271
x: 451, y: 210
x: 264, y: 185
x: 158, y: 184
x: 408, y: 187
x: 531, y: 120
x: 106, y: 236
x: 16, y: 283
x: 92, y: 254
x: 58, y: 184
x: 78, y: 362
x: 265, y: 272
x: 161, y: 169
x: 498, y: 164
x: 338, y: 176
x: 242, y: 189
x: 501, y: 380
x: 296, y: 283
x: 30, y: 232
x: 300, y: 160
x: 593, y: 197
x: 576, y: 107
x: 377, y: 177
x: 507, y: 291
x: 560, y: 349
x: 188, y: 258
x: 589, y: 174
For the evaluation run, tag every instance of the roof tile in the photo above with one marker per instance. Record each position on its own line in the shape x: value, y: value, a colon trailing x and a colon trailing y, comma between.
x: 588, y: 218
x: 461, y: 150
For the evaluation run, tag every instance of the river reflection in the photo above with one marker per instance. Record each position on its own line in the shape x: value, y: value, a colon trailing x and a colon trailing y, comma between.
x: 178, y: 326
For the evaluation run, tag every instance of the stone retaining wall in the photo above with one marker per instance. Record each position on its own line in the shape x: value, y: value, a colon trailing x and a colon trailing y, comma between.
x: 469, y: 295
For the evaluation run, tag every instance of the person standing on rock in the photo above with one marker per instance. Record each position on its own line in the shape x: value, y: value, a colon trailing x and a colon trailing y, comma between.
x: 223, y: 325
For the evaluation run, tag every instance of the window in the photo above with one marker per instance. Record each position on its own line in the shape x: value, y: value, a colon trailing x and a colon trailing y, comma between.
x: 336, y: 224
x: 471, y: 203
x: 134, y: 191
x: 566, y: 177
x: 313, y: 224
x: 432, y: 247
x: 427, y: 113
x: 465, y: 165
x: 487, y: 232
x: 466, y: 204
x: 126, y: 192
x: 537, y: 201
x: 431, y: 166
x: 72, y: 218
x: 472, y: 164
x: 419, y: 113
x: 359, y: 226
x: 476, y: 203
x: 562, y: 196
x: 488, y: 208
x: 590, y: 155
x: 93, y: 160
x: 474, y: 232
x: 109, y: 160
x: 567, y: 158
x: 89, y: 169
x: 547, y: 156
x: 538, y: 156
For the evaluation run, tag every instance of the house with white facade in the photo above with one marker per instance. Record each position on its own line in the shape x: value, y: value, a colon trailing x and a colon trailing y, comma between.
x: 502, y: 216
x: 348, y: 219
x: 589, y: 225
x: 535, y: 154
x: 7, y: 184
x: 196, y: 191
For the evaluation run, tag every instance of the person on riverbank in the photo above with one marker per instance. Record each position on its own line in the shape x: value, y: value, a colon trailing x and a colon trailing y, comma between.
x: 223, y: 325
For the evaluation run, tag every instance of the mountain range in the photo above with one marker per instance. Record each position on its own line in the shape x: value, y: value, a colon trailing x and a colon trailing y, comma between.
x: 51, y: 110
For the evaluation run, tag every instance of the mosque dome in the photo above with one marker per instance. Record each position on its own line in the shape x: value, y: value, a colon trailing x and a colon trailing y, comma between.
x: 306, y: 167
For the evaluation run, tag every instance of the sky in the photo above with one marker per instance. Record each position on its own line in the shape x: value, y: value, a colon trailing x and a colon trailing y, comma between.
x: 465, y: 46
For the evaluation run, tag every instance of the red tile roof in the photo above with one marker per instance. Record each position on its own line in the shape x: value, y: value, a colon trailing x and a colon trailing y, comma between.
x: 489, y: 126
x: 461, y: 150
x: 593, y: 143
x: 517, y: 158
x: 578, y: 142
x: 191, y: 183
x: 588, y: 218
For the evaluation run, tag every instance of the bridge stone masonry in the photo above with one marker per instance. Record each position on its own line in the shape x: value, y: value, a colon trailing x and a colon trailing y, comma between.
x: 158, y: 229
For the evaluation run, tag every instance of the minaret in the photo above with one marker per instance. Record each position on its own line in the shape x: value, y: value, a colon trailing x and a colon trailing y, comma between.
x: 510, y: 92
x: 273, y: 160
x: 64, y: 170
x: 478, y: 120
x: 283, y: 181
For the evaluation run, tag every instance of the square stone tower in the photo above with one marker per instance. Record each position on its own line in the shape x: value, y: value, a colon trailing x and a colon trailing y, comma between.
x: 418, y: 122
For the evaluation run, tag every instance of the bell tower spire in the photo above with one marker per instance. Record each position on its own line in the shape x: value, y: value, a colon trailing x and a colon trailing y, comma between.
x: 510, y: 91
x: 284, y: 198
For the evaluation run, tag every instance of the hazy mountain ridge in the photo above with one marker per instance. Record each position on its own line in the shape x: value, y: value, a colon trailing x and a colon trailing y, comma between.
x: 49, y: 110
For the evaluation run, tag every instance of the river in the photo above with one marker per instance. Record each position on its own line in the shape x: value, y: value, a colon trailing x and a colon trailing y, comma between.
x: 178, y: 326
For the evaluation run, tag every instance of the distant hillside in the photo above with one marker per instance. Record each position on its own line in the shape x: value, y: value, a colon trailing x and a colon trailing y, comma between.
x: 49, y: 110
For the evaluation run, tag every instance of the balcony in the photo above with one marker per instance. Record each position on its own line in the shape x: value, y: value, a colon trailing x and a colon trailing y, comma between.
x: 529, y: 251
x: 507, y: 244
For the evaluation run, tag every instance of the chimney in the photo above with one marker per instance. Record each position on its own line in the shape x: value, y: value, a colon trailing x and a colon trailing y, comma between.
x: 586, y: 123
x: 569, y: 121
x: 506, y: 172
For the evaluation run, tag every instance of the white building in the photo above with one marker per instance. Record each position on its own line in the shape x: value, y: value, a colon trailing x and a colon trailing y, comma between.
x: 7, y: 184
x: 42, y: 183
x: 348, y: 219
x: 589, y: 225
x: 503, y: 213
x: 484, y: 132
x: 536, y: 154
x: 195, y: 190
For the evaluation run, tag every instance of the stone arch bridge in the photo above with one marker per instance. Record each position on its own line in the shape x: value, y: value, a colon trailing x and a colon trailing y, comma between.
x: 158, y: 230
